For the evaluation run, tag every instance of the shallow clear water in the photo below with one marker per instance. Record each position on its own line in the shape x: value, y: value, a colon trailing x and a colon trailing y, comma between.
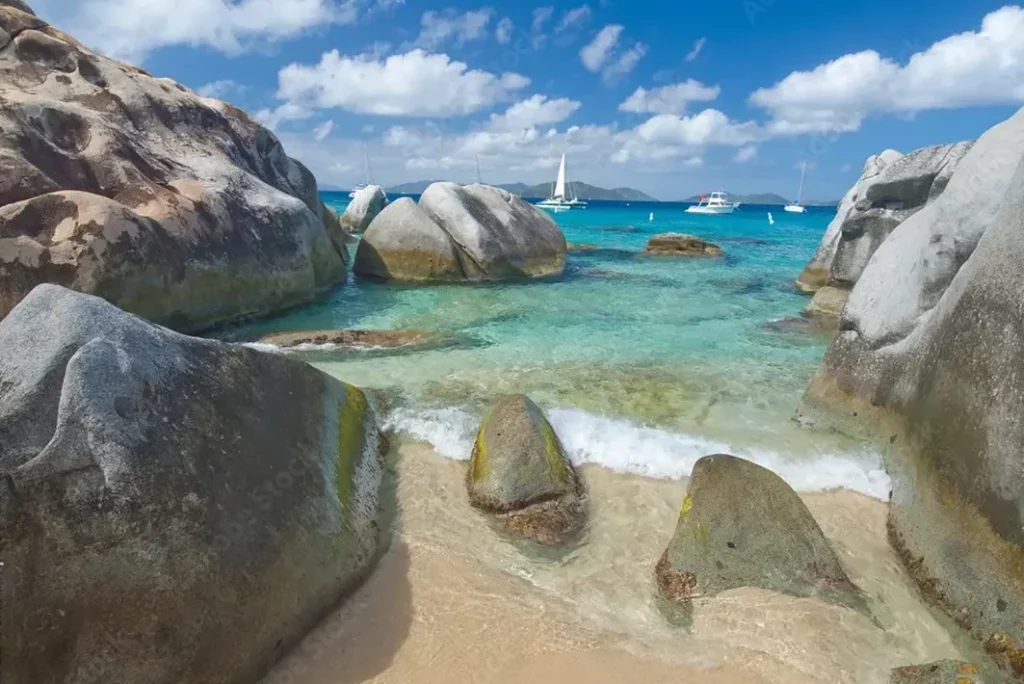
x: 644, y: 363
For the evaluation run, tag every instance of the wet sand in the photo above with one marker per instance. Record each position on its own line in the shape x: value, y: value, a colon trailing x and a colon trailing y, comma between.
x: 456, y: 600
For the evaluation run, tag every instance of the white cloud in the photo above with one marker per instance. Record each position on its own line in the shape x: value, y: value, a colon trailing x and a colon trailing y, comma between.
x: 503, y: 33
x: 439, y: 28
x: 625, y: 63
x: 671, y: 99
x: 132, y: 29
x: 415, y: 83
x: 535, y: 111
x: 220, y: 89
x: 573, y: 18
x: 695, y: 51
x: 289, y: 111
x: 541, y: 15
x: 984, y: 67
x: 745, y: 154
x: 323, y: 130
x: 709, y: 127
x: 596, y: 53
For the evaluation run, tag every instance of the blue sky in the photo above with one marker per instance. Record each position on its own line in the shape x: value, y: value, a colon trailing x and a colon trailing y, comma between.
x: 673, y: 98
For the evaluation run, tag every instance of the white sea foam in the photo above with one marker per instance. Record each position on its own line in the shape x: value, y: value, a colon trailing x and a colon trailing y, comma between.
x: 263, y: 347
x: 629, y: 447
x: 310, y: 347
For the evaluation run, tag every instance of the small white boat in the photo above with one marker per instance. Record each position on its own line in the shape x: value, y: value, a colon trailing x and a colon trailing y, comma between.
x: 798, y: 207
x: 715, y: 203
x: 559, y: 200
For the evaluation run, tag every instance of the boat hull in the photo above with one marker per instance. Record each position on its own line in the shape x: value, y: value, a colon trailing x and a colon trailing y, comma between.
x: 711, y: 210
x: 795, y: 209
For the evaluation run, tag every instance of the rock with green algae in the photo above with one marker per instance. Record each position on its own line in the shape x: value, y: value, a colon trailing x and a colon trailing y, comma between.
x: 941, y: 672
x: 520, y: 473
x: 742, y: 526
x: 172, y: 509
x: 679, y: 244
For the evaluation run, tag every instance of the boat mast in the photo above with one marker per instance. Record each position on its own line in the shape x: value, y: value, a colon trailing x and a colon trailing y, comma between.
x: 478, y: 178
x: 366, y: 161
x: 800, y: 194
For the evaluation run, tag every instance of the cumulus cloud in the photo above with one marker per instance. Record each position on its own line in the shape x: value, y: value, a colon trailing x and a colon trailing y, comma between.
x: 415, y: 83
x: 745, y: 154
x: 670, y: 99
x: 323, y: 130
x: 132, y: 29
x: 601, y: 54
x: 503, y: 32
x: 695, y: 51
x: 221, y: 89
x: 437, y: 28
x: 535, y: 111
x: 983, y: 67
x: 595, y: 54
x: 573, y: 19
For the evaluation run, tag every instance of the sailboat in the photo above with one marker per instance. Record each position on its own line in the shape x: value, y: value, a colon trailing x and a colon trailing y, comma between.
x: 559, y: 200
x: 479, y: 179
x: 368, y: 174
x: 797, y: 207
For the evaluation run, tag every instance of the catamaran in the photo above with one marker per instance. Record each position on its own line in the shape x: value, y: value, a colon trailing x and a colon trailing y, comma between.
x: 559, y: 200
x: 368, y: 174
x: 715, y: 203
x: 797, y: 207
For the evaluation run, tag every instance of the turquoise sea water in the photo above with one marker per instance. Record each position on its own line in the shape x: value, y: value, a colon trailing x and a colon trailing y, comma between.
x: 643, y: 363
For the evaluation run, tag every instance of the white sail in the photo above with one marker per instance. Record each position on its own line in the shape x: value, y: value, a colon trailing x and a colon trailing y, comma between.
x: 560, y: 183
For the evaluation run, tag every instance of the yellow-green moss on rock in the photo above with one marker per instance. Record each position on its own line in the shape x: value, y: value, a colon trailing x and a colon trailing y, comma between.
x: 351, y: 442
x: 520, y: 473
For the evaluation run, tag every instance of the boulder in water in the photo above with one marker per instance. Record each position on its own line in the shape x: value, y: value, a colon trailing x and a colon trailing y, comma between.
x: 679, y: 244
x: 456, y: 233
x: 357, y: 339
x: 172, y: 509
x: 827, y: 305
x: 742, y: 526
x: 177, y: 207
x: 363, y: 208
x: 520, y: 473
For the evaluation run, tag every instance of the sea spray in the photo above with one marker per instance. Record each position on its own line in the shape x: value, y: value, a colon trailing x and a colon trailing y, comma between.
x: 630, y: 447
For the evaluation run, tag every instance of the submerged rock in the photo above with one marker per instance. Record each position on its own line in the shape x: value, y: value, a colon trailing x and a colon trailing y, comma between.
x: 171, y: 509
x: 930, y: 361
x: 363, y: 208
x: 356, y: 339
x: 456, y: 233
x: 520, y: 473
x: 742, y: 526
x: 177, y: 207
x: 679, y: 244
x: 941, y: 672
x: 827, y: 305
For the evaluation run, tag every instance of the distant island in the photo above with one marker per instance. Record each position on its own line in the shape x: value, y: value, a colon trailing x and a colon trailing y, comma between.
x: 541, y: 190
x: 768, y: 198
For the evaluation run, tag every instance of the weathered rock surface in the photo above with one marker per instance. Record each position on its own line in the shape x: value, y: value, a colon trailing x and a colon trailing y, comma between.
x: 818, y: 272
x: 941, y: 672
x: 679, y: 244
x: 519, y: 472
x: 363, y: 208
x: 456, y: 233
x: 929, y: 359
x: 356, y: 339
x: 179, y: 208
x: 172, y: 509
x: 742, y: 526
x: 827, y: 305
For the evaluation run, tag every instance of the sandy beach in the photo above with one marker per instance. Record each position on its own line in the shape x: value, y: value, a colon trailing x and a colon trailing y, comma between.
x: 455, y: 600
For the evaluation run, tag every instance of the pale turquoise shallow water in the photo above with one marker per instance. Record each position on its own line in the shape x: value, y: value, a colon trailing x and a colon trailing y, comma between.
x: 644, y: 363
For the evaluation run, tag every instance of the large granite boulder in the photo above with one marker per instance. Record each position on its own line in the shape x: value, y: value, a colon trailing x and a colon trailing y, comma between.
x: 930, y: 359
x: 520, y: 473
x: 456, y: 233
x: 818, y: 272
x: 941, y: 672
x: 742, y: 526
x: 363, y: 208
x: 180, y: 208
x: 172, y: 509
